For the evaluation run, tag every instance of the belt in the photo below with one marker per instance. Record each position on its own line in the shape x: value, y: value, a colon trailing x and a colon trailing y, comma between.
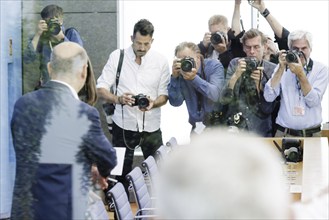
x: 300, y: 133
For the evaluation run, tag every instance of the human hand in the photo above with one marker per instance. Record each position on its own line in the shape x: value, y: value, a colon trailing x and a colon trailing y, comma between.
x: 127, y: 99
x: 189, y: 75
x: 296, y: 68
x: 176, y: 68
x: 258, y: 4
x: 42, y: 26
x: 206, y: 39
x: 97, y: 178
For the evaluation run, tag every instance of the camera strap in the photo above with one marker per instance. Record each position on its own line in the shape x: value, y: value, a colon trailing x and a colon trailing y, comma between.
x: 198, y: 94
x: 117, y: 77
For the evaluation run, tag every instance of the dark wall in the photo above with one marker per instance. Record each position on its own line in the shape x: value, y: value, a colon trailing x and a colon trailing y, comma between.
x: 96, y: 22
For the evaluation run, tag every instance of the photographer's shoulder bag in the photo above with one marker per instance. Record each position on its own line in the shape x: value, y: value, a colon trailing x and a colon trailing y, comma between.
x: 110, y: 107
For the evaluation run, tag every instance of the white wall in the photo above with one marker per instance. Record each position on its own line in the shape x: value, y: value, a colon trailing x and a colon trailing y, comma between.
x: 177, y: 21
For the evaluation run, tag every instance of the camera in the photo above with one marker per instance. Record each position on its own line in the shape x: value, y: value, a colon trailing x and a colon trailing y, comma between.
x: 187, y: 64
x: 54, y: 27
x: 292, y: 150
x: 141, y: 101
x: 292, y: 56
x: 216, y: 38
x: 251, y: 63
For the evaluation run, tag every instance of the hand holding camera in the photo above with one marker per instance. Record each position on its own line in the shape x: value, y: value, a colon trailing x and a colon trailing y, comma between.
x: 185, y: 67
x: 142, y: 101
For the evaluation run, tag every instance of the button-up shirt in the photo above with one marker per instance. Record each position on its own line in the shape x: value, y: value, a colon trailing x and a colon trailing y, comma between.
x: 151, y: 78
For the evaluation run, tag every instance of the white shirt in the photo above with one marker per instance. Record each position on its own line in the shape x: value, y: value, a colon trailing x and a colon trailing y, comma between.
x: 151, y: 78
x: 310, y: 114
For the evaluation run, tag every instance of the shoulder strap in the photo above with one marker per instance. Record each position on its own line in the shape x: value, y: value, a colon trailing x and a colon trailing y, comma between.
x: 119, y: 70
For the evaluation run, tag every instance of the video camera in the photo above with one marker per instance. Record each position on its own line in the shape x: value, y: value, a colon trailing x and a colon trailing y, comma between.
x: 141, y: 101
x: 292, y: 150
x: 187, y: 64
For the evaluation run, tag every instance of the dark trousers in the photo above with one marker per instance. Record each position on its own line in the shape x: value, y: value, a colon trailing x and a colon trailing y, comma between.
x: 148, y: 141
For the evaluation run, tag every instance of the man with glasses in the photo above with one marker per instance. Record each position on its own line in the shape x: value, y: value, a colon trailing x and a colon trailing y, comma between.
x: 301, y: 83
x: 243, y: 93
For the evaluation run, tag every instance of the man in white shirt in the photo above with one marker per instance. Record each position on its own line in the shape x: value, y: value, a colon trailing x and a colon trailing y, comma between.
x: 136, y: 117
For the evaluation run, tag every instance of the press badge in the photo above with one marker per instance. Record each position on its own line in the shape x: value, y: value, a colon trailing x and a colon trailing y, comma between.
x: 299, y: 111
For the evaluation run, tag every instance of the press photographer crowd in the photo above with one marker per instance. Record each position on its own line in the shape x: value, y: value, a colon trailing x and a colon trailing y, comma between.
x: 234, y: 82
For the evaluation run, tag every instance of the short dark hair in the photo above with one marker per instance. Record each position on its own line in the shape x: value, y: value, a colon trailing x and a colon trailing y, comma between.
x: 51, y: 11
x: 144, y: 27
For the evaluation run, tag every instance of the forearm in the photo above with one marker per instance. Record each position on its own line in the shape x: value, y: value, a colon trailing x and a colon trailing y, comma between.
x: 106, y: 96
x: 236, y: 19
x: 275, y: 81
x: 160, y: 101
x: 35, y: 41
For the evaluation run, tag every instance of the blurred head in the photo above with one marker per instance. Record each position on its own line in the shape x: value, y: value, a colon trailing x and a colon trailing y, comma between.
x: 142, y: 37
x: 254, y: 43
x: 68, y: 63
x: 88, y: 92
x: 189, y: 49
x: 302, y: 41
x: 272, y: 49
x: 222, y: 176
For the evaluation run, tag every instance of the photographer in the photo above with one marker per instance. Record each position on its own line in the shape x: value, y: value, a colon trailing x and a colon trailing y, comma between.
x: 50, y: 32
x: 243, y: 93
x: 198, y: 82
x: 141, y: 91
x: 301, y: 83
x: 222, y: 42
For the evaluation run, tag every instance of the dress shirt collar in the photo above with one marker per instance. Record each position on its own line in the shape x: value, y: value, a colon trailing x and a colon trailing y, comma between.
x: 74, y: 93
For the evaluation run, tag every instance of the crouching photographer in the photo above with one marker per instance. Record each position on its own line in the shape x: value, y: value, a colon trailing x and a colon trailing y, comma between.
x: 243, y: 93
x: 196, y: 81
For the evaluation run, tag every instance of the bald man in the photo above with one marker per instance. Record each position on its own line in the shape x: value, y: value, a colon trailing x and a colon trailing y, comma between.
x: 57, y: 138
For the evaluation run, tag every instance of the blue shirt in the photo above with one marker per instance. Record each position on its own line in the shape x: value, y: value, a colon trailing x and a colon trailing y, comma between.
x: 181, y: 90
x: 44, y: 49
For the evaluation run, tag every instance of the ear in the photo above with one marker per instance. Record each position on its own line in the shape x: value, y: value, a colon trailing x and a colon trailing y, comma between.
x: 84, y: 72
x: 132, y: 38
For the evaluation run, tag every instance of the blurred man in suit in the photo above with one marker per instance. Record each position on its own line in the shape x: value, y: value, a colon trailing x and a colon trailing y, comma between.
x: 57, y: 138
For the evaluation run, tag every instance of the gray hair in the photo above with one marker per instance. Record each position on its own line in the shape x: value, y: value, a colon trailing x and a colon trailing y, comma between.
x: 192, y: 46
x: 299, y: 35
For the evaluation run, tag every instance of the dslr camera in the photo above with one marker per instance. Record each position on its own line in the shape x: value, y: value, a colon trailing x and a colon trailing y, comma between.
x: 141, y: 101
x: 187, y: 64
x: 54, y: 27
x: 251, y: 63
x: 292, y: 150
x: 216, y: 38
x: 292, y: 56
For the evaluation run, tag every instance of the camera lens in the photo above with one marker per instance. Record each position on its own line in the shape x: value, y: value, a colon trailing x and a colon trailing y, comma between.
x: 292, y: 57
x: 187, y: 64
x: 251, y: 63
x: 53, y: 27
x: 216, y: 38
x: 143, y: 102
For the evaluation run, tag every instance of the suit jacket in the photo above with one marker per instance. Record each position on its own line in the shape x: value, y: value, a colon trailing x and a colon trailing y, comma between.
x: 56, y: 139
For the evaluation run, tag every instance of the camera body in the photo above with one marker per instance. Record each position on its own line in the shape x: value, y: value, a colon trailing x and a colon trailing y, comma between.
x: 251, y: 63
x: 141, y: 101
x: 216, y: 38
x: 292, y: 56
x: 187, y: 64
x: 292, y: 150
x: 54, y: 27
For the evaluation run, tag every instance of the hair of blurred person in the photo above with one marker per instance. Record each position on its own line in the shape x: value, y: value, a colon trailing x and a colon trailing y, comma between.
x: 222, y: 176
x: 88, y: 92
